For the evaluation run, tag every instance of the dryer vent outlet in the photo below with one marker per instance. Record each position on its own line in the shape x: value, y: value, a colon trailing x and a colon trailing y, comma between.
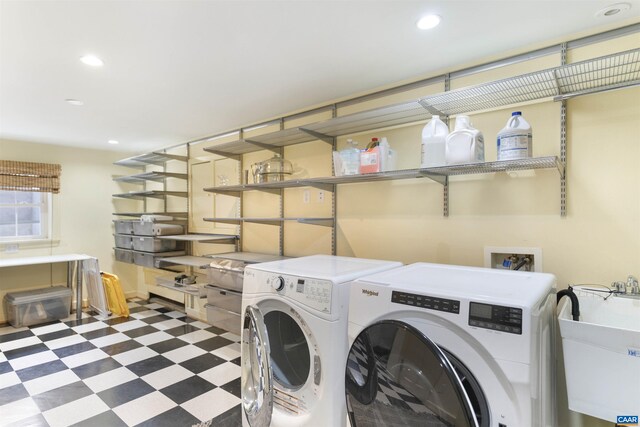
x: 513, y: 258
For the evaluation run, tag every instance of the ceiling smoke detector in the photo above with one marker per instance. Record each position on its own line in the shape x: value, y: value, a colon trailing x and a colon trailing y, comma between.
x: 613, y: 9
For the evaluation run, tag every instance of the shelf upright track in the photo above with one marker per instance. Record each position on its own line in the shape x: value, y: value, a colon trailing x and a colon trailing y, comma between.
x: 334, y: 190
x: 563, y: 141
x: 240, y: 226
x: 281, y: 204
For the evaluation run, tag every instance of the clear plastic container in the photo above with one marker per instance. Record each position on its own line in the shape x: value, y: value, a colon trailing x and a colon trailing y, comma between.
x: 434, y: 138
x: 515, y: 140
x: 37, y: 306
x: 350, y: 157
x: 465, y: 144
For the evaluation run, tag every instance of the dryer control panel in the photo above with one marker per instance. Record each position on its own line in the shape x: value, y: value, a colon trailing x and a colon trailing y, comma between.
x: 496, y: 317
x: 314, y: 293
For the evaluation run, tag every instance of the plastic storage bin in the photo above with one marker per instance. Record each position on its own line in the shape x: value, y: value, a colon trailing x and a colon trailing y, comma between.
x: 36, y: 306
x: 124, y: 255
x: 124, y: 226
x: 149, y: 259
x: 123, y: 241
x: 147, y: 228
x: 151, y: 244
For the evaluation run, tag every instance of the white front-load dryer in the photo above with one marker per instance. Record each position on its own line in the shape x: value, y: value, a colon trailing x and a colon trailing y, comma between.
x: 294, y: 339
x: 442, y: 345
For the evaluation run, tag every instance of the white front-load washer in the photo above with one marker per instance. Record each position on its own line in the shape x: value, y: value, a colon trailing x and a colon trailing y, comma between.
x: 442, y: 345
x: 294, y: 339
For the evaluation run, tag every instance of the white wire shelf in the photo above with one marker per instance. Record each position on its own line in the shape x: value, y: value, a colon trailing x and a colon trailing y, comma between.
x: 200, y: 237
x: 325, y: 222
x: 150, y: 176
x: 236, y: 190
x: 392, y: 115
x: 175, y: 215
x: 185, y: 289
x: 590, y: 76
x: 187, y: 260
x: 437, y: 174
x: 140, y: 195
x: 154, y: 158
x: 550, y: 162
x: 593, y: 75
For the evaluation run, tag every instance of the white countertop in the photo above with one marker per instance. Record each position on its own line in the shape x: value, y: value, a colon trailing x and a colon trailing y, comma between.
x: 49, y: 259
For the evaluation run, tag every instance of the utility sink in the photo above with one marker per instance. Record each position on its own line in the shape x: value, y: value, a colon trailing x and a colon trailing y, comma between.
x: 602, y: 354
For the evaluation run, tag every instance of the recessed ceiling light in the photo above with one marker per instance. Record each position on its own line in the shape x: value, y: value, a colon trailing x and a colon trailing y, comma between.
x: 75, y: 102
x: 427, y: 22
x: 113, y: 142
x: 91, y: 60
x: 613, y: 9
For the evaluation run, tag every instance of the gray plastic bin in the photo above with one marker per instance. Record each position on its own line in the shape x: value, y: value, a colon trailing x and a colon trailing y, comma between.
x: 147, y: 228
x: 123, y: 226
x: 123, y: 241
x: 152, y: 244
x: 124, y: 255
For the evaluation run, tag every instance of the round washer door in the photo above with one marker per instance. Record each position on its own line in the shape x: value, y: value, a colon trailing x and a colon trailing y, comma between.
x: 290, y: 350
x: 397, y: 376
x: 256, y: 378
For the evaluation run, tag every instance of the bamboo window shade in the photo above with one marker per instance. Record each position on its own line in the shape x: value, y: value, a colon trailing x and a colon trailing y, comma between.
x: 29, y: 176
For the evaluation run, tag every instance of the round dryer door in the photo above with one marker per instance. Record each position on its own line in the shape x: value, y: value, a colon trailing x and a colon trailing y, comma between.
x: 396, y: 376
x: 256, y: 378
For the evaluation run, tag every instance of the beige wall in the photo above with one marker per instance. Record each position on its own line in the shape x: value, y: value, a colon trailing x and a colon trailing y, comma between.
x: 82, y: 215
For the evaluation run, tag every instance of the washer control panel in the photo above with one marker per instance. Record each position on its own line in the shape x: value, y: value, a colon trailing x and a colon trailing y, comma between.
x: 425, y: 301
x: 314, y: 293
x: 496, y: 317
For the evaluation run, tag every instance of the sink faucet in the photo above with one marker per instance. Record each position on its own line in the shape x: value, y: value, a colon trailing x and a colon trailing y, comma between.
x: 619, y: 287
x: 632, y: 283
x: 628, y: 289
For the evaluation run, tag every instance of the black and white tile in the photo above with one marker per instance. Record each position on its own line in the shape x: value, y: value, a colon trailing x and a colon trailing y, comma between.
x: 154, y: 368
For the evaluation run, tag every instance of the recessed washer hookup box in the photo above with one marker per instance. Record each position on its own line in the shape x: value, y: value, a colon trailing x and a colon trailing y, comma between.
x: 36, y: 306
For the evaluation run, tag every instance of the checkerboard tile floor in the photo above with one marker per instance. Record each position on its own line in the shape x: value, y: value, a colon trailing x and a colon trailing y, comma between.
x: 154, y: 368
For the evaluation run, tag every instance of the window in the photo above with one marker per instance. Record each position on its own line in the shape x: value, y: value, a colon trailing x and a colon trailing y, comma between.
x: 24, y: 215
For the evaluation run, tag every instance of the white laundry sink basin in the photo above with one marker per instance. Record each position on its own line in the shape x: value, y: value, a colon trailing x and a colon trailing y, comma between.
x: 602, y: 354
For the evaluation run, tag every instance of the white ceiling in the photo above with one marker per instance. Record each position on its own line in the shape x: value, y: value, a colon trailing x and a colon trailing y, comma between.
x: 179, y: 70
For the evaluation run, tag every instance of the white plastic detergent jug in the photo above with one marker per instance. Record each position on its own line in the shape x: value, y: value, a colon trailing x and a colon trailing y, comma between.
x: 434, y: 137
x: 465, y: 144
x: 350, y: 157
x: 516, y: 139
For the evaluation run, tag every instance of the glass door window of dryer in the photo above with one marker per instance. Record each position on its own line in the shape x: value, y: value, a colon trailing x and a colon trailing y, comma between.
x: 290, y: 360
x: 396, y: 376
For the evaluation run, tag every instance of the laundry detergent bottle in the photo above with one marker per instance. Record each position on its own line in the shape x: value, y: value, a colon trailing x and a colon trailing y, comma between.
x: 465, y: 144
x: 434, y: 137
x: 515, y: 140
